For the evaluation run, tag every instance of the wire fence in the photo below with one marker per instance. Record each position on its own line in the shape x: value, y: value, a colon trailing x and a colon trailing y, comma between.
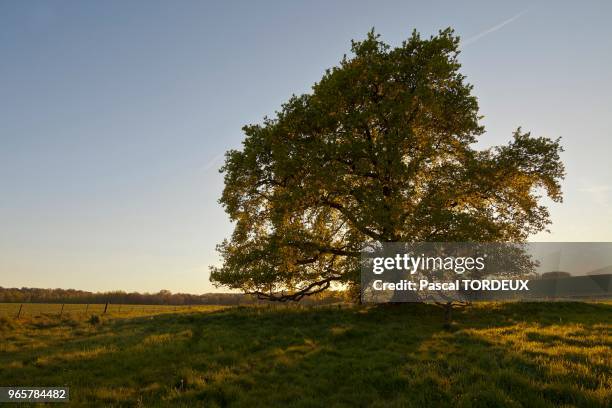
x: 85, y: 310
x: 22, y: 310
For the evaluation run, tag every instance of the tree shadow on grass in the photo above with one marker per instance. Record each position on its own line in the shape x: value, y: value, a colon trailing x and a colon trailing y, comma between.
x: 364, y: 356
x: 417, y: 364
x: 172, y: 355
x: 405, y: 359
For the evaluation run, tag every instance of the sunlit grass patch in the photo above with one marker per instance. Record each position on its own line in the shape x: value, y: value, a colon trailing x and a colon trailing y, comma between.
x: 495, y: 355
x: 156, y: 339
x: 114, y: 394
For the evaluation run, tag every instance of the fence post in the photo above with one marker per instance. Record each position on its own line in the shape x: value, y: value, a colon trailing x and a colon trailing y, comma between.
x: 119, y: 309
x: 105, y: 307
x: 86, y: 308
x: 62, y: 310
x: 19, y: 312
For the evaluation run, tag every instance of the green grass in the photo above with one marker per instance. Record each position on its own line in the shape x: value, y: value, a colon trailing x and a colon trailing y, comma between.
x: 77, y: 310
x: 536, y: 355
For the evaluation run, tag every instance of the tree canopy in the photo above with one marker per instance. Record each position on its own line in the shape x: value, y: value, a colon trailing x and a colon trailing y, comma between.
x: 382, y: 150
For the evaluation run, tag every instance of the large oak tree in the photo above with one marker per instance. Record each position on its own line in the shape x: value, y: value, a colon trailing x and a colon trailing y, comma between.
x: 382, y: 150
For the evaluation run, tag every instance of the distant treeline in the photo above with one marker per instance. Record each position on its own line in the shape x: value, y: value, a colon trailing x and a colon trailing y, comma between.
x: 163, y: 297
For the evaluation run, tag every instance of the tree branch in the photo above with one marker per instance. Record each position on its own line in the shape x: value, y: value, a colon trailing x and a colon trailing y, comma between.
x: 309, y: 290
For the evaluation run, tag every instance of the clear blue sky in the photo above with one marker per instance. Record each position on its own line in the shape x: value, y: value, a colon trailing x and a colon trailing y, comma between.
x: 114, y: 114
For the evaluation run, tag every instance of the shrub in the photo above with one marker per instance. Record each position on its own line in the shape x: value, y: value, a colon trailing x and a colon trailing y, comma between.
x: 94, y: 320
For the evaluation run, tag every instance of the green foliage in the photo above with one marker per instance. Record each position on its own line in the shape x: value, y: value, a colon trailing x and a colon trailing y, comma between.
x: 382, y: 149
x: 535, y: 355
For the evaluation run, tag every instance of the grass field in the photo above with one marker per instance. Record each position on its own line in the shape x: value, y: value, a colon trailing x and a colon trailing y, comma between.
x: 536, y: 355
x: 81, y: 310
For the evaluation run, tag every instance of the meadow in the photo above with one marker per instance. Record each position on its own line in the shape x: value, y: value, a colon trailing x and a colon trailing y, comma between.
x: 82, y: 310
x: 510, y: 354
